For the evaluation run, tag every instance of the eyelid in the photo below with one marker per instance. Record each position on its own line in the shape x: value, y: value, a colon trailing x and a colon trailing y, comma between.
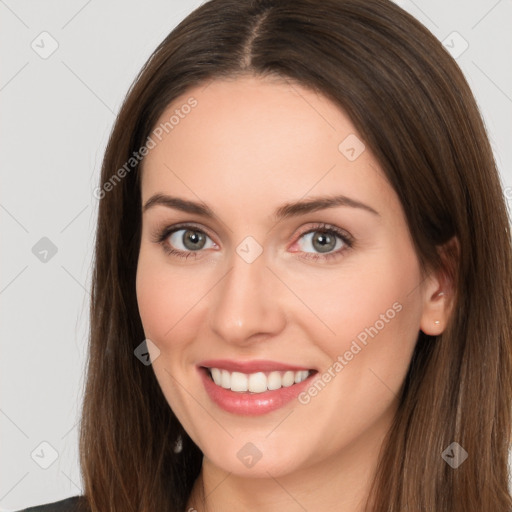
x: 323, y: 226
x: 160, y: 234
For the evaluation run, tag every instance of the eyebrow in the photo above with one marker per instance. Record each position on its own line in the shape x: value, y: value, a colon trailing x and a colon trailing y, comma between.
x: 292, y: 209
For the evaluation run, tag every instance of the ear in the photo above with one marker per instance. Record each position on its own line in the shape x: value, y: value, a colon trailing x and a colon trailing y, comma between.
x: 439, y: 290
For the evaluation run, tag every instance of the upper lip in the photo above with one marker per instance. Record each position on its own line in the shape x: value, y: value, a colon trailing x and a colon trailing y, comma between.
x: 257, y: 365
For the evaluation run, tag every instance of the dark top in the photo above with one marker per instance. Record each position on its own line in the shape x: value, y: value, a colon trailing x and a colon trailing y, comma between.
x: 74, y: 504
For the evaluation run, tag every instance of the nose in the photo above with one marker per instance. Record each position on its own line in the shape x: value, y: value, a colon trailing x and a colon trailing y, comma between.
x: 246, y: 303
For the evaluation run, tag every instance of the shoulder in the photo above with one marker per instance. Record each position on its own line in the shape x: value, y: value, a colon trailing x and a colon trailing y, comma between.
x: 74, y: 504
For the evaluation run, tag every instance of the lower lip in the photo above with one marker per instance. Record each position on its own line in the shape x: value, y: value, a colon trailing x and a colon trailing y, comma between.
x: 251, y: 404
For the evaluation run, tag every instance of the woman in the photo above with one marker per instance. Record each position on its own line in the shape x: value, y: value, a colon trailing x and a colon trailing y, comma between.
x: 301, y: 295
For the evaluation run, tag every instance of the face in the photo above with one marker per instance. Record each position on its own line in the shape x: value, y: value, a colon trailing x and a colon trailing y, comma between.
x: 307, y: 314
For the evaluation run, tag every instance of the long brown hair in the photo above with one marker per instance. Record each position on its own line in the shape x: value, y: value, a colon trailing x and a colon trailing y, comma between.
x: 412, y: 106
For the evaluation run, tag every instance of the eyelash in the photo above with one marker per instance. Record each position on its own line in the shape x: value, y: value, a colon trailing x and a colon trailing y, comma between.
x: 161, y: 237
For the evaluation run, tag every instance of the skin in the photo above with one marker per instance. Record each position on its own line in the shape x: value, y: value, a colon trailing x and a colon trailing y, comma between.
x: 249, y: 146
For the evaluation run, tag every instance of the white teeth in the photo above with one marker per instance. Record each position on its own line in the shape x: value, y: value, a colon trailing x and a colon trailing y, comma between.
x: 274, y: 380
x: 300, y: 376
x: 239, y: 381
x: 225, y: 381
x: 256, y: 382
x: 288, y: 379
x: 216, y: 375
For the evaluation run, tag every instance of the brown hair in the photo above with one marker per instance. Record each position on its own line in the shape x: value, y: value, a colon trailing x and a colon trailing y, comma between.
x: 412, y: 106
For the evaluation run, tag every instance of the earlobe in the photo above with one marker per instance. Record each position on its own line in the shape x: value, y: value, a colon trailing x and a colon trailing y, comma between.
x: 439, y: 293
x: 436, y: 312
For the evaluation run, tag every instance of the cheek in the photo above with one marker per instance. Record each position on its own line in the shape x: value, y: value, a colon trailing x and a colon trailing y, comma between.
x: 159, y: 304
x: 373, y: 316
x: 163, y: 311
x: 170, y: 300
x: 153, y: 301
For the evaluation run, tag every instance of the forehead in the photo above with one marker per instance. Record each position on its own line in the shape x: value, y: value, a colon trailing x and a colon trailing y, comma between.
x: 250, y: 142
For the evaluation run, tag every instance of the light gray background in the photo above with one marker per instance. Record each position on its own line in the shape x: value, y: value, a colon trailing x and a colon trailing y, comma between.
x: 57, y: 113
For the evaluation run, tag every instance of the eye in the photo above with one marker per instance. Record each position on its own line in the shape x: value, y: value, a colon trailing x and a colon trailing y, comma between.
x: 324, y: 241
x: 189, y: 239
x: 184, y: 241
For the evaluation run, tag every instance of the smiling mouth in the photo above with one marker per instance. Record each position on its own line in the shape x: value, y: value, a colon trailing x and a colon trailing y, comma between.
x: 258, y: 382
